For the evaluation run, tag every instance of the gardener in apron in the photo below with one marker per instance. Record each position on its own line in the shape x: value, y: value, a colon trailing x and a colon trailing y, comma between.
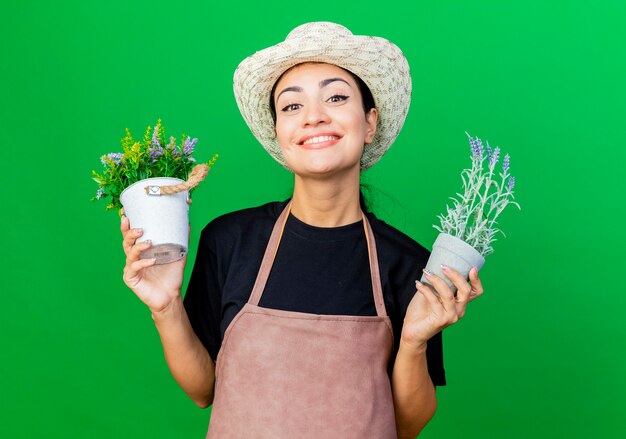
x: 303, y: 318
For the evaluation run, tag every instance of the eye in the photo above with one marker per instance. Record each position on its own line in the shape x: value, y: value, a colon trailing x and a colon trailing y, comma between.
x: 337, y: 98
x: 291, y: 107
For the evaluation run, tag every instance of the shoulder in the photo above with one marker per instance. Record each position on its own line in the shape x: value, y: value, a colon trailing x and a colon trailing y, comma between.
x: 391, y: 241
x: 244, y: 223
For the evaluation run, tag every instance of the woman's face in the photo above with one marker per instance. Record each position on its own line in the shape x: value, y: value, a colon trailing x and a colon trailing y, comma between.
x: 321, y: 125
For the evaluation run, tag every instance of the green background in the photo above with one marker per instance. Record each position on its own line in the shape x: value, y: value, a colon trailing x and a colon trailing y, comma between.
x: 541, y: 354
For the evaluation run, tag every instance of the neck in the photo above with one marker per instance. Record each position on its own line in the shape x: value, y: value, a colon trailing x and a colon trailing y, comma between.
x: 327, y: 202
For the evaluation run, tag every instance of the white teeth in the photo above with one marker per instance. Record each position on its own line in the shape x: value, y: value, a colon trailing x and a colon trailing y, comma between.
x: 319, y: 139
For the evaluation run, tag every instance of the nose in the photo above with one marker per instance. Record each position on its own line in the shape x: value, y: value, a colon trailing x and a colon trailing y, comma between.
x: 315, y: 114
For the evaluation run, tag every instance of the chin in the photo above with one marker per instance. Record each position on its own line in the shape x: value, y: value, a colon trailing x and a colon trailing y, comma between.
x: 324, y: 169
x: 322, y: 163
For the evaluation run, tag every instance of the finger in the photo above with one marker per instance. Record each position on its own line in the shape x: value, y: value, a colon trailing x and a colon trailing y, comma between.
x: 131, y: 270
x: 136, y: 250
x: 446, y: 316
x: 430, y: 296
x: 124, y: 225
x: 441, y: 286
x: 459, y: 281
x: 142, y: 263
x: 130, y: 237
x: 475, y: 283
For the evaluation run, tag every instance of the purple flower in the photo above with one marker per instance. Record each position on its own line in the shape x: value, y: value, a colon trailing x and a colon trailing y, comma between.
x: 99, y: 194
x: 156, y: 152
x: 155, y: 138
x: 494, y: 157
x: 476, y: 146
x: 189, y: 145
x: 115, y: 157
x: 505, y: 164
x: 511, y: 184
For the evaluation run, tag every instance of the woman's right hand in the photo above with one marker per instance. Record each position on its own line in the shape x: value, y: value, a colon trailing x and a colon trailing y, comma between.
x: 155, y: 285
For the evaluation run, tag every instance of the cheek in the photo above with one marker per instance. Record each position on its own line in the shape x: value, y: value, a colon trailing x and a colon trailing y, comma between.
x: 282, y: 132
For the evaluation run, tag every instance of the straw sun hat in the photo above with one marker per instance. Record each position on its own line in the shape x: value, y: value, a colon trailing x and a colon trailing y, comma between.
x: 378, y: 62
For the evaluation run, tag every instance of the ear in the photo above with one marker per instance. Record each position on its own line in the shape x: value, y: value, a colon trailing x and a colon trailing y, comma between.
x: 371, y: 118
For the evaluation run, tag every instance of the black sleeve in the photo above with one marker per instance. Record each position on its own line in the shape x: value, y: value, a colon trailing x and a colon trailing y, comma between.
x: 203, y: 296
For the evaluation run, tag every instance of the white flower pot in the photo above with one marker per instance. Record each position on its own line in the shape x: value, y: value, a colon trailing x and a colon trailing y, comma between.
x: 455, y: 253
x: 163, y: 218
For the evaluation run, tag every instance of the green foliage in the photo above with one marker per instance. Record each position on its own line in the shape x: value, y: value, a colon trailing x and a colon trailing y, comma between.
x: 150, y: 157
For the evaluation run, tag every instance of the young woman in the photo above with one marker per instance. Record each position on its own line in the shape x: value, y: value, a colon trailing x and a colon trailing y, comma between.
x: 304, y: 318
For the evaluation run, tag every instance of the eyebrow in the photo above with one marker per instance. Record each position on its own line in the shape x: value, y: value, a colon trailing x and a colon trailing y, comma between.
x: 322, y: 84
x: 325, y: 82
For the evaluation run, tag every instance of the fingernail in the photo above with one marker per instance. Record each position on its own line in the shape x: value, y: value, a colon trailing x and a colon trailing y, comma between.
x: 444, y: 268
x: 418, y: 284
x: 427, y: 272
x: 148, y: 241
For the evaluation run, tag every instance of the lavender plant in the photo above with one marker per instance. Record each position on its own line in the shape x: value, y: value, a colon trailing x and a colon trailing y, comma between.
x: 474, y: 213
x: 148, y: 158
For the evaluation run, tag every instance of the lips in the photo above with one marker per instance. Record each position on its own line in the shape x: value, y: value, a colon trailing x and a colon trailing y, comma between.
x: 319, y: 139
x: 313, y: 140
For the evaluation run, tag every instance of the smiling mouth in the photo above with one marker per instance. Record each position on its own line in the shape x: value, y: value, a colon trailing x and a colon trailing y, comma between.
x: 319, y: 139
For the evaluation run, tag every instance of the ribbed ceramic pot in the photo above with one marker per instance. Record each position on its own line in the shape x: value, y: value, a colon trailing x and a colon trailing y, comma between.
x: 163, y: 218
x: 455, y: 253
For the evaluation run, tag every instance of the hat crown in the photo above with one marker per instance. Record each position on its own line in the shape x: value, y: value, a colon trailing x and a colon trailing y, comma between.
x: 319, y: 27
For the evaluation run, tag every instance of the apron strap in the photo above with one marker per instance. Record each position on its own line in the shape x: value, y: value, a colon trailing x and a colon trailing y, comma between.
x: 272, y: 249
x: 268, y: 257
x: 379, y: 301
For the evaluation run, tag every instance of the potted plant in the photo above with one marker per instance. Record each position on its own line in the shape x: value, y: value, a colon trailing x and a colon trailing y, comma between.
x: 468, y: 229
x: 151, y: 183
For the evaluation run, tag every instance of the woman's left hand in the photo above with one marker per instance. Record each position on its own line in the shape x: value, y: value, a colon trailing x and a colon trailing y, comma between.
x: 428, y: 314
